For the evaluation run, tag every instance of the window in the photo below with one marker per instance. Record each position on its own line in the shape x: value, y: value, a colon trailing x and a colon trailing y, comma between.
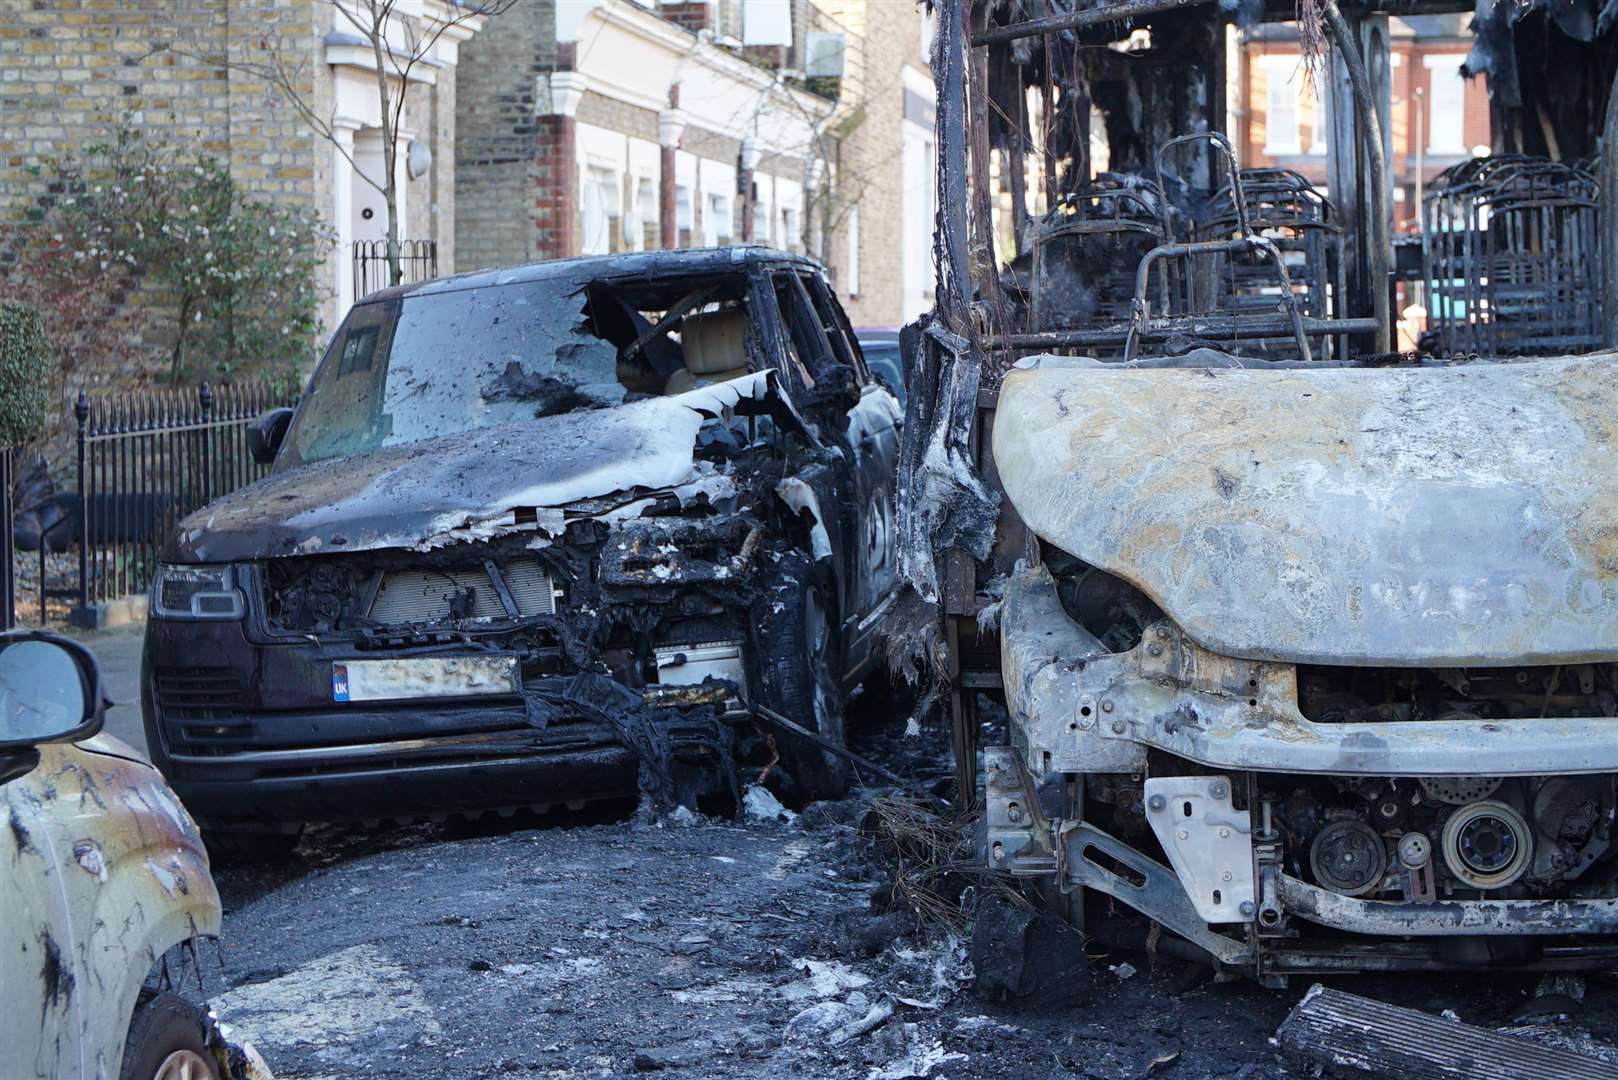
x: 1321, y: 124
x: 835, y: 325
x: 761, y: 221
x: 1446, y: 105
x: 717, y: 226
x: 644, y: 233
x: 601, y: 212
x: 1281, y: 105
x: 808, y: 350
x: 791, y: 238
x: 853, y: 251
x: 682, y: 215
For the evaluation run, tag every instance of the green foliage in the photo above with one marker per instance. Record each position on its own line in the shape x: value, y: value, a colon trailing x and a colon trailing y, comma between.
x: 25, y: 370
x: 238, y: 273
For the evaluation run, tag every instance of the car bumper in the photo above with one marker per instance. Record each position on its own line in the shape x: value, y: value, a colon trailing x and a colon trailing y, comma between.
x: 1077, y: 708
x: 257, y: 737
x: 1084, y: 709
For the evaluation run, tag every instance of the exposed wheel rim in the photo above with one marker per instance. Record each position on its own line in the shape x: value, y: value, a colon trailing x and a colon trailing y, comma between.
x: 185, y: 1065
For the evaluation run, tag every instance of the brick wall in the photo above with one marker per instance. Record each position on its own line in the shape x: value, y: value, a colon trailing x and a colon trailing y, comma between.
x: 873, y: 157
x: 691, y: 16
x: 1409, y: 74
x: 71, y: 69
x: 554, y: 208
x: 618, y: 116
x: 499, y: 155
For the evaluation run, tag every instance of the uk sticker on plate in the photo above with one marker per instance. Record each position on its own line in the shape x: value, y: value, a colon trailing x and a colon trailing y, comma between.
x: 424, y: 677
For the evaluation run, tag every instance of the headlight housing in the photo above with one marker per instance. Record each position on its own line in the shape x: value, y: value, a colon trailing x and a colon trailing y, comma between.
x: 196, y: 592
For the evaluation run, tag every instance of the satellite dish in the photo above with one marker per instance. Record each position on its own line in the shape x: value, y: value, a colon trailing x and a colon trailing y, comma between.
x: 418, y: 159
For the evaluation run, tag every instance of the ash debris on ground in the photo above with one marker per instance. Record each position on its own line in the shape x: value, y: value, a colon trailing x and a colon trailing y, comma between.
x: 607, y: 945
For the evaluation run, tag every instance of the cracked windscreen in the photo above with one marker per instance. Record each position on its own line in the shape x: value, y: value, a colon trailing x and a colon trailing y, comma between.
x: 425, y: 365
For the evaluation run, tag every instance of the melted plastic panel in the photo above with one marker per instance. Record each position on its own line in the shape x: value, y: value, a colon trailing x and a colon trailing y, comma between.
x: 1462, y: 516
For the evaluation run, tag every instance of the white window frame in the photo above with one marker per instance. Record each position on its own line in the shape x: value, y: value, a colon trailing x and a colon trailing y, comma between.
x: 716, y: 184
x: 644, y: 162
x: 1281, y: 80
x: 602, y: 158
x: 602, y: 188
x: 764, y: 209
x: 685, y: 198
x: 852, y: 230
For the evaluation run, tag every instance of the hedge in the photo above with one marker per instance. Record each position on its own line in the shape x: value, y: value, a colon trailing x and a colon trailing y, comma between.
x: 25, y: 373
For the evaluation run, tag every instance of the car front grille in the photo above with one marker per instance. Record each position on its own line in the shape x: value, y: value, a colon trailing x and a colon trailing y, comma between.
x: 433, y: 596
x: 202, y: 707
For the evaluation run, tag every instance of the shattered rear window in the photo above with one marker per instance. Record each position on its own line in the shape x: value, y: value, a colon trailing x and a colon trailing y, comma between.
x: 427, y: 365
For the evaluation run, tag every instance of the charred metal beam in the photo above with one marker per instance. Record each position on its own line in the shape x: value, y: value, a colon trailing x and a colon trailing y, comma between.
x: 1379, y: 229
x: 1079, y: 20
x: 775, y: 719
x: 1215, y: 329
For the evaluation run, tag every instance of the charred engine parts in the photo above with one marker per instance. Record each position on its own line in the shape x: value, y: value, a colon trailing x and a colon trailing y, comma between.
x: 1452, y: 834
x: 1487, y: 845
x: 1348, y: 857
x: 1508, y: 243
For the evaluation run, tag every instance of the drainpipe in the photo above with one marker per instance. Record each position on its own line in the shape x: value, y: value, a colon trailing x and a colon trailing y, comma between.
x: 1378, y: 229
x: 670, y: 131
x: 747, y: 161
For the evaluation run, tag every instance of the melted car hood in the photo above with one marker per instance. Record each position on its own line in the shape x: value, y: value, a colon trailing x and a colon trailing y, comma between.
x: 1458, y: 515
x: 440, y: 490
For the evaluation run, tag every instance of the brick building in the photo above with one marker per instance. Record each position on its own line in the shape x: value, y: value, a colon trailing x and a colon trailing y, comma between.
x: 885, y: 237
x: 595, y: 126
x: 1439, y: 118
x: 70, y: 70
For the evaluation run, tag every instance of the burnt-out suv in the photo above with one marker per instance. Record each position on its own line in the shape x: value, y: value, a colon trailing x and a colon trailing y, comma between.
x: 534, y: 537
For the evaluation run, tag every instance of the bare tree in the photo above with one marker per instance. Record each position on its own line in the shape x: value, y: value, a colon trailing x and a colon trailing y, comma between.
x: 398, y: 43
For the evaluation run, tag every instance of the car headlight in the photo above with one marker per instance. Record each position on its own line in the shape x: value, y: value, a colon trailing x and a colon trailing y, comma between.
x: 196, y: 592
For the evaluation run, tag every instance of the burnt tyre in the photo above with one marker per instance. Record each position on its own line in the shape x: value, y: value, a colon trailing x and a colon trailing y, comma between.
x: 800, y: 663
x: 167, y: 1041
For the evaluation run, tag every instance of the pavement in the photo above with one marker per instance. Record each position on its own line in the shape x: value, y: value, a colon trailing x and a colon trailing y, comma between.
x: 117, y: 653
x: 686, y: 946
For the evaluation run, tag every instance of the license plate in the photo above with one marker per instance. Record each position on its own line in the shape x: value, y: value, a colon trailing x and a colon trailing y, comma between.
x: 426, y: 677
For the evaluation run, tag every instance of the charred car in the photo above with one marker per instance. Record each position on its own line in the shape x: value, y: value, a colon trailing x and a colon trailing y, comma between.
x: 1308, y: 645
x: 1339, y: 643
x: 535, y: 537
x: 106, y: 892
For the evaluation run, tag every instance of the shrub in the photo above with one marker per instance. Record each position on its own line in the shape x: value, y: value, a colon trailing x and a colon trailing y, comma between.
x: 226, y: 281
x: 25, y: 373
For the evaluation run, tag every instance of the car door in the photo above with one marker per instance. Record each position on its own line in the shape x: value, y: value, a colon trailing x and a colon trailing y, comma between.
x: 858, y: 502
x: 873, y: 429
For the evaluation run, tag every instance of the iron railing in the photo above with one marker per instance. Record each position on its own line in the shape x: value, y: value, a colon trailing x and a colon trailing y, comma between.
x: 418, y: 261
x: 145, y: 460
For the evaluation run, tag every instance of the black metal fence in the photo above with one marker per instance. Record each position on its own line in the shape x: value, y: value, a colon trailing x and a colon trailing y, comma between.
x: 145, y: 460
x: 418, y: 261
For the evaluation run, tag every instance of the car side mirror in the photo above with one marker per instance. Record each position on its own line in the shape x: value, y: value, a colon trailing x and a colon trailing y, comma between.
x: 50, y: 690
x: 266, y: 433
